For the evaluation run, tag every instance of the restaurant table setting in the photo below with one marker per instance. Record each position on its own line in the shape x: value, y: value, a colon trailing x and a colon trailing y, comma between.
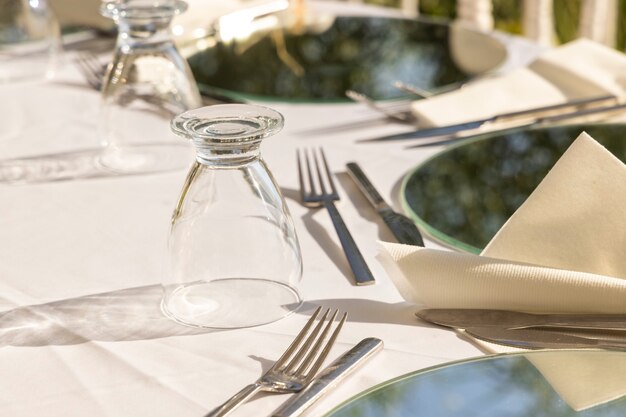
x: 136, y: 281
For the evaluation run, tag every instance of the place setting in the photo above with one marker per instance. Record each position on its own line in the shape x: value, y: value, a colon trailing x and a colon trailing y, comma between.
x: 216, y: 234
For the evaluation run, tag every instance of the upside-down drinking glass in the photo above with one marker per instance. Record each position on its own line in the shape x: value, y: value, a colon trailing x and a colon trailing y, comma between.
x: 30, y: 40
x: 147, y: 83
x: 234, y: 256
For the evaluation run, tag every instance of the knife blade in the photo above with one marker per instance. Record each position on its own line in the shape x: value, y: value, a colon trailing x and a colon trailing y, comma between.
x: 540, y: 339
x: 329, y: 378
x: 568, y: 109
x: 464, y: 318
x: 403, y: 228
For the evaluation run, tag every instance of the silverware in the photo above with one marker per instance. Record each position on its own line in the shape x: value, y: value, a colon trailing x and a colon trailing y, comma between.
x: 403, y: 116
x: 545, y: 114
x: 464, y: 318
x: 329, y: 378
x: 305, y: 358
x: 587, y: 116
x: 401, y: 226
x: 540, y: 339
x: 91, y: 69
x: 412, y: 89
x: 93, y: 72
x: 311, y: 198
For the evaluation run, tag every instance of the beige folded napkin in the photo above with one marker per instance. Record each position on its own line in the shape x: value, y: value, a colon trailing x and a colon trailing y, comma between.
x: 561, y: 251
x: 577, y: 69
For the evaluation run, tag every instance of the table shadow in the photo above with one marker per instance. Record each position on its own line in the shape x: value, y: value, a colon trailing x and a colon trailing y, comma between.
x: 322, y: 236
x: 123, y: 315
x: 64, y: 166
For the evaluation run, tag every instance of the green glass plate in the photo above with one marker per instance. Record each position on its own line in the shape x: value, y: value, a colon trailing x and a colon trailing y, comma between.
x: 494, y: 386
x: 366, y: 54
x: 462, y: 196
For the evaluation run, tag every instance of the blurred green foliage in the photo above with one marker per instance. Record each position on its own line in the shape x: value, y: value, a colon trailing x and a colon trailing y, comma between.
x: 508, y: 16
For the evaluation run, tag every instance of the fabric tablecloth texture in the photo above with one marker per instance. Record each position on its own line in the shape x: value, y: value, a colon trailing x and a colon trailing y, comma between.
x: 81, y: 331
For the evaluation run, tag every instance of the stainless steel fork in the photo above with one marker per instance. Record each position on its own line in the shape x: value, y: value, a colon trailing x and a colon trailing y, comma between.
x: 91, y: 68
x: 311, y: 198
x: 304, y: 362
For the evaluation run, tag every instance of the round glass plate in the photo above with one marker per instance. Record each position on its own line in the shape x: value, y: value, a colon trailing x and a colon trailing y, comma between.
x: 337, y: 53
x: 564, y: 383
x: 462, y: 196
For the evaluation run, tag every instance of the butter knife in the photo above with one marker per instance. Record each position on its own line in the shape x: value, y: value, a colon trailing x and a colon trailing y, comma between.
x: 540, y: 339
x: 464, y: 318
x: 329, y: 378
x: 403, y: 228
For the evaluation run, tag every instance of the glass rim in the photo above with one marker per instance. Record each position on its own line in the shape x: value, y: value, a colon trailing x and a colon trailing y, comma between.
x: 228, y: 124
x: 142, y: 9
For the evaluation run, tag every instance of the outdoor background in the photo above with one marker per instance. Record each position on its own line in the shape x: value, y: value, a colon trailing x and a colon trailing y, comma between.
x: 508, y: 16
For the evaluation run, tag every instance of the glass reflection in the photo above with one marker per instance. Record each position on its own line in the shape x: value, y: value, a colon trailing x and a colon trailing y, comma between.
x: 465, y: 194
x: 366, y: 54
x: 511, y: 385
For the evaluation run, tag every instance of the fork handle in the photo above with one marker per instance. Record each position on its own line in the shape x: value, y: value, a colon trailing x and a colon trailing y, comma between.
x: 235, y: 401
x: 361, y: 271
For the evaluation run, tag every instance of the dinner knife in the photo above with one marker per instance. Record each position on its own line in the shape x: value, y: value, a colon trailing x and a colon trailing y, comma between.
x: 464, y: 318
x: 329, y: 378
x: 508, y: 120
x: 541, y: 339
x: 403, y: 228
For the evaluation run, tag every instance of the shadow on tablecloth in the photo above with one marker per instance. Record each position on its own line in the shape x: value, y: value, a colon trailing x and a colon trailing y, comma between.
x: 123, y: 315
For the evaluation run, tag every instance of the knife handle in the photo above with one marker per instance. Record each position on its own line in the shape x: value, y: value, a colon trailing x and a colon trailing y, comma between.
x: 365, y: 185
x: 329, y: 378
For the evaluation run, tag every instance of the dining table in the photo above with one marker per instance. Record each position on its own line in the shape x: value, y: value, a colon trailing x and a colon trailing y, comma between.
x: 81, y: 264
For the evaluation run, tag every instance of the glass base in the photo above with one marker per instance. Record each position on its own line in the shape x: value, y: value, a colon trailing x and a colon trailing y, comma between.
x: 230, y: 303
x: 142, y: 159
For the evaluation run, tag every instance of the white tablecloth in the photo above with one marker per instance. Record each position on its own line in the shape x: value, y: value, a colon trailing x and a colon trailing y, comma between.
x: 81, y: 333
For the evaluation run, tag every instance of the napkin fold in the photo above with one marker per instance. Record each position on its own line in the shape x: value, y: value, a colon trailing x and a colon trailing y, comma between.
x: 578, y: 69
x: 561, y: 251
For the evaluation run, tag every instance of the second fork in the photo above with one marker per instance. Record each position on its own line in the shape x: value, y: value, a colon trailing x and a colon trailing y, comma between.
x: 326, y: 198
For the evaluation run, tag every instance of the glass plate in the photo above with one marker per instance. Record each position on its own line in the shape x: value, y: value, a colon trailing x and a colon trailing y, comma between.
x: 462, y: 196
x: 536, y: 384
x: 366, y: 54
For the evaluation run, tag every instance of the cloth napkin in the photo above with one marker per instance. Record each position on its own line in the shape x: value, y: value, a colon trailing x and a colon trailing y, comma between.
x: 561, y: 251
x: 578, y: 69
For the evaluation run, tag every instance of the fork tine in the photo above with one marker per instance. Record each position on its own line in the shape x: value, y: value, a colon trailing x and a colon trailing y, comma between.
x: 309, y: 341
x: 322, y: 356
x: 294, y: 345
x: 320, y: 178
x: 300, y: 177
x: 317, y: 347
x: 90, y: 69
x: 310, y: 173
x: 329, y: 175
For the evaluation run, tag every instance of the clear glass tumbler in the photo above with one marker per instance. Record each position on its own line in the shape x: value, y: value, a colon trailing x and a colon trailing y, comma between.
x: 234, y: 256
x: 30, y: 40
x: 147, y: 84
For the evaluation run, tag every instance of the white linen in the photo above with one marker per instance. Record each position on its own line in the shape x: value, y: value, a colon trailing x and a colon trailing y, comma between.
x: 81, y: 332
x: 575, y: 70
